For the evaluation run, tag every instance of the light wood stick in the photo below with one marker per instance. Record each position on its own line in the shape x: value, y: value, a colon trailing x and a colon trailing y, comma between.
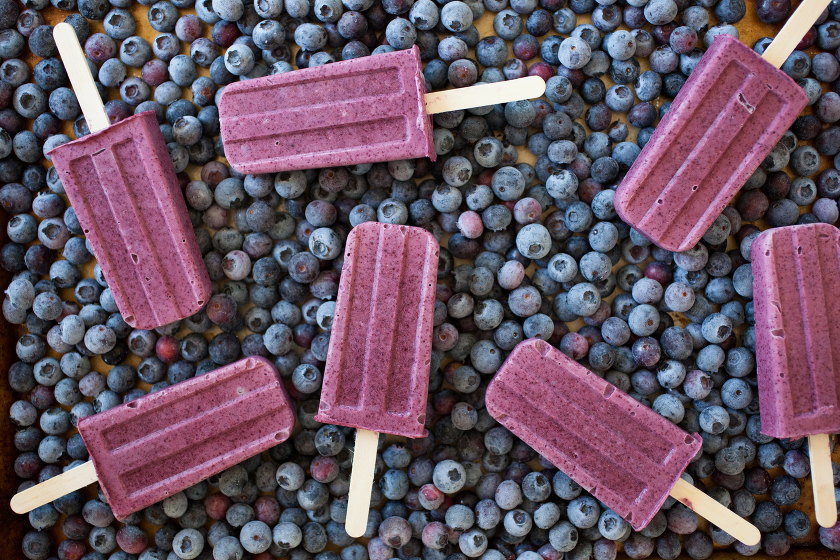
x: 822, y: 479
x: 361, y: 481
x: 53, y: 488
x: 706, y: 506
x: 79, y: 73
x: 796, y: 27
x: 481, y: 95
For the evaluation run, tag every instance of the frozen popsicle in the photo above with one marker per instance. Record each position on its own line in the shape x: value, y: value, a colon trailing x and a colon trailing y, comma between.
x: 376, y: 378
x: 622, y: 452
x: 154, y: 447
x: 796, y: 273
x: 121, y: 182
x: 368, y: 109
x: 730, y: 113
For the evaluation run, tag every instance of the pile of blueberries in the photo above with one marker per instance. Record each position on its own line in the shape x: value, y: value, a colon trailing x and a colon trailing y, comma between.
x: 526, y: 250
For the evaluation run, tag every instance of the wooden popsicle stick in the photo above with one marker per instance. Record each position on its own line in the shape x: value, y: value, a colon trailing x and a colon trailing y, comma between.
x: 822, y: 479
x: 796, y: 27
x: 706, y: 506
x: 54, y: 488
x: 481, y: 95
x: 79, y: 73
x: 361, y: 481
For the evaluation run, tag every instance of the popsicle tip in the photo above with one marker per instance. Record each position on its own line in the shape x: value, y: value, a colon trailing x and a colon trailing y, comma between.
x: 752, y: 536
x: 539, y: 85
x: 827, y: 519
x: 542, y: 348
x: 18, y: 504
x: 61, y: 27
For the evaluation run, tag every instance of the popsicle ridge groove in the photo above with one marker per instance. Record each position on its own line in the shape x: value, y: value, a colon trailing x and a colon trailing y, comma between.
x: 818, y: 314
x: 175, y: 224
x: 342, y: 326
x: 280, y: 123
x: 389, y: 130
x: 384, y: 323
x: 797, y: 332
x: 695, y: 169
x: 129, y: 431
x: 124, y: 208
x: 305, y: 93
x: 156, y: 470
x: 794, y: 305
x: 77, y: 168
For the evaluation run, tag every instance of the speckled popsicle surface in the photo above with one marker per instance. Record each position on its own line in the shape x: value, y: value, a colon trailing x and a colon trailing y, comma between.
x: 377, y: 371
x: 128, y: 201
x: 153, y: 447
x: 796, y: 276
x: 622, y: 452
x: 362, y: 110
x: 727, y: 117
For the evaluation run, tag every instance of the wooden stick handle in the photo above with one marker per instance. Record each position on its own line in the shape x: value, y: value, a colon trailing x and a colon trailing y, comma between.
x: 53, y: 488
x: 485, y: 94
x: 714, y: 511
x: 796, y: 27
x: 361, y: 481
x: 822, y: 479
x: 79, y: 73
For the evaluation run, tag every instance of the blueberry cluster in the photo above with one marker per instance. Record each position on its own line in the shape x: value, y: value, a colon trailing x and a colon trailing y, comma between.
x: 527, y: 251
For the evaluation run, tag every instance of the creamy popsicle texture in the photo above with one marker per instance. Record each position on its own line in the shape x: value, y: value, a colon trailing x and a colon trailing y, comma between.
x: 158, y: 445
x: 155, y: 446
x: 796, y: 275
x: 622, y: 452
x: 727, y: 117
x: 355, y: 111
x: 128, y: 201
x: 377, y: 372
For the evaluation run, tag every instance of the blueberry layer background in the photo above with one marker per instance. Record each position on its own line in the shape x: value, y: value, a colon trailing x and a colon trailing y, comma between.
x: 750, y: 29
